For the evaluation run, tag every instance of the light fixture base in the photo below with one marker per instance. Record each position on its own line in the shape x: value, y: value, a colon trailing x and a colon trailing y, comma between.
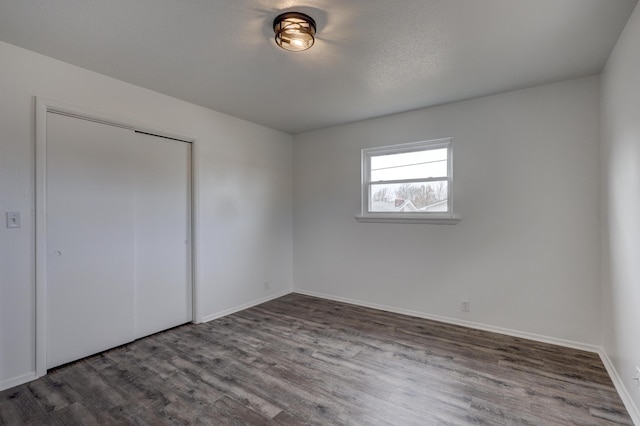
x: 295, y: 31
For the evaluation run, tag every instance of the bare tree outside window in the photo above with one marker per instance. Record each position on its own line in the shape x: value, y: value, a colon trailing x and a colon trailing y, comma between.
x: 414, y: 178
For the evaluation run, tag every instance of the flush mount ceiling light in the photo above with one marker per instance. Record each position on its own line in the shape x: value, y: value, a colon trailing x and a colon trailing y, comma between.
x: 295, y: 31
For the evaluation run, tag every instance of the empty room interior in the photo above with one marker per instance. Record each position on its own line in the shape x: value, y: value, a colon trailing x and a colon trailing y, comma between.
x: 323, y: 212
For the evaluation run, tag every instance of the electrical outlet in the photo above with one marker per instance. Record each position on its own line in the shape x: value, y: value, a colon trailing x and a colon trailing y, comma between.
x: 267, y: 285
x: 465, y: 306
x: 13, y: 219
x: 637, y: 377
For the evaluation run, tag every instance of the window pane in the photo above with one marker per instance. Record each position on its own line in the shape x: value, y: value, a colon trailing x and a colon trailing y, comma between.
x: 420, y: 197
x: 409, y: 165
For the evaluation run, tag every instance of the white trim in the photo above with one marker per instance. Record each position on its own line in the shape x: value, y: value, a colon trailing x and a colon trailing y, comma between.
x: 41, y: 241
x: 43, y: 106
x: 414, y: 217
x: 395, y: 218
x: 245, y: 306
x: 448, y: 320
x: 17, y: 381
x: 111, y: 120
x: 195, y: 232
x: 627, y: 400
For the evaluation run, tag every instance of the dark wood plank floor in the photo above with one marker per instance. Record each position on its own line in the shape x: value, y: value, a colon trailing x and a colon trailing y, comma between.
x: 302, y: 360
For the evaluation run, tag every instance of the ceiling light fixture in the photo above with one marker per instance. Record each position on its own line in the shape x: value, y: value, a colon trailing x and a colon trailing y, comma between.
x: 295, y: 31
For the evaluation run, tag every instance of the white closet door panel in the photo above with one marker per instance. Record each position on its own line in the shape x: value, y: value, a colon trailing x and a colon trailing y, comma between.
x: 162, y: 226
x: 90, y: 239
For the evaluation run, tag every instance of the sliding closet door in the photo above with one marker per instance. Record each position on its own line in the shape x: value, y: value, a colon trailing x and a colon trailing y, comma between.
x: 162, y: 227
x: 90, y: 239
x: 118, y: 231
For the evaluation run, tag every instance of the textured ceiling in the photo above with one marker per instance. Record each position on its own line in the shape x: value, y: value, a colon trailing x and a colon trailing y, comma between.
x: 371, y: 57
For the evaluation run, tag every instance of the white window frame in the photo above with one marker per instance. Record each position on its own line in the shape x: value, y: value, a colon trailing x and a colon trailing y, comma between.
x: 447, y: 217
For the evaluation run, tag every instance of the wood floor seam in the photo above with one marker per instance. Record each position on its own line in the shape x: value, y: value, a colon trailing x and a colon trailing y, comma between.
x: 302, y: 360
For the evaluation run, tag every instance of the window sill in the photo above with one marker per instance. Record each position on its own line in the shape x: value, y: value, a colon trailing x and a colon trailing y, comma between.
x: 385, y: 218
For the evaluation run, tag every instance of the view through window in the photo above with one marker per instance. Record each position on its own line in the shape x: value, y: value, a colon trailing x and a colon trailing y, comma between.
x: 409, y: 178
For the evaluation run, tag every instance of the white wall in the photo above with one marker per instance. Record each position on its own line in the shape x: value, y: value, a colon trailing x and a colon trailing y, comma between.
x: 621, y: 207
x: 526, y: 252
x: 244, y: 177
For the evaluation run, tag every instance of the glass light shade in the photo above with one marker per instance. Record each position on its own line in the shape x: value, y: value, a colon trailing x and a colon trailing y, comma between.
x: 294, y: 31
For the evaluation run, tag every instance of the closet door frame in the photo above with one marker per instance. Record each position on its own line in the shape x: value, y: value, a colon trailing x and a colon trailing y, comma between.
x: 43, y: 107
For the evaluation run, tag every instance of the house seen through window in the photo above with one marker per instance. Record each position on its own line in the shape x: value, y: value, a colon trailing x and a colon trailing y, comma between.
x: 408, y: 180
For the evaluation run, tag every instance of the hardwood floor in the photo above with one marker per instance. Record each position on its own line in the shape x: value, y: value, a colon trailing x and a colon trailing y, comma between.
x: 302, y: 360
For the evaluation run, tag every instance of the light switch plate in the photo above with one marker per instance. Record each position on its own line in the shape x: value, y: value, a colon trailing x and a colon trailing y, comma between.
x: 13, y: 219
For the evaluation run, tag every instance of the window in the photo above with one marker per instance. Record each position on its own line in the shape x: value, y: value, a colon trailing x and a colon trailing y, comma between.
x: 408, y: 183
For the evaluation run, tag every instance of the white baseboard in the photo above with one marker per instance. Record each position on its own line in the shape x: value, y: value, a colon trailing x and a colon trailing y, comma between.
x: 620, y: 387
x: 615, y: 377
x: 470, y: 324
x: 17, y: 381
x: 634, y: 413
x: 244, y: 306
x: 27, y: 377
